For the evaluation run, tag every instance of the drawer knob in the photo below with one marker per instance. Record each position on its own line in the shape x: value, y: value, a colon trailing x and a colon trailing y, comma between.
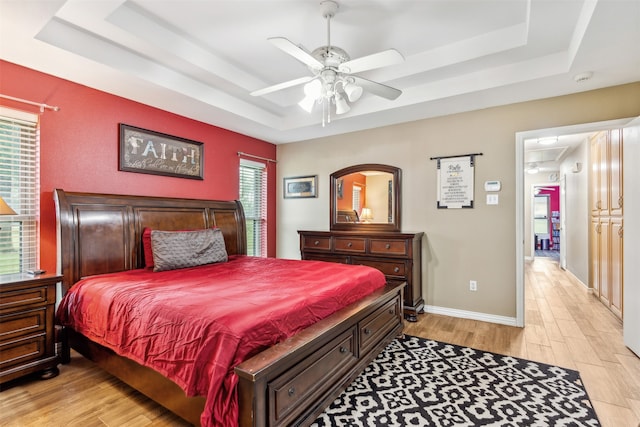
x: 396, y: 270
x: 317, y: 242
x: 291, y: 391
x: 367, y: 331
x: 349, y: 244
x: 343, y: 349
x: 392, y: 311
x: 387, y: 246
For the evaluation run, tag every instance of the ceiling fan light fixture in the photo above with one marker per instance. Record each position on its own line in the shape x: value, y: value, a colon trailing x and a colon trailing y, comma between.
x: 313, y: 89
x: 341, y: 104
x: 353, y: 91
x: 307, y: 103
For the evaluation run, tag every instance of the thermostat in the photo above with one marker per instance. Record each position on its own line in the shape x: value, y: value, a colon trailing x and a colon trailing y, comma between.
x: 492, y: 186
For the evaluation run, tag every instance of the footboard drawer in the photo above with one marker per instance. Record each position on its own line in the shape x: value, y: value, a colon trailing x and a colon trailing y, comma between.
x: 312, y: 377
x: 378, y: 324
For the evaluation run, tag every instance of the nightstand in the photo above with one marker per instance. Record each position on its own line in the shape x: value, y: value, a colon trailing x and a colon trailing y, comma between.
x: 27, y: 332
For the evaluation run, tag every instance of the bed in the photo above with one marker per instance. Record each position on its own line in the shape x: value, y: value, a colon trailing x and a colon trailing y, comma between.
x: 287, y: 383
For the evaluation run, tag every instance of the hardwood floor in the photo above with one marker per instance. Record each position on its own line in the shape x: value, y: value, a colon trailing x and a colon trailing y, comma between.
x: 565, y: 326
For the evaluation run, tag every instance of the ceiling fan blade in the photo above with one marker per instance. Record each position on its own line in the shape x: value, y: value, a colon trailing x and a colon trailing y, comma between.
x: 369, y: 62
x: 281, y: 86
x: 378, y: 88
x: 297, y: 52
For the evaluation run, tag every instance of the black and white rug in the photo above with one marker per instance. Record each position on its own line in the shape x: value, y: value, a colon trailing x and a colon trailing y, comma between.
x: 419, y: 382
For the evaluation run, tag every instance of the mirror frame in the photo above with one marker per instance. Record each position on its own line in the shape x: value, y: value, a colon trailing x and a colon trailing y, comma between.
x: 397, y: 200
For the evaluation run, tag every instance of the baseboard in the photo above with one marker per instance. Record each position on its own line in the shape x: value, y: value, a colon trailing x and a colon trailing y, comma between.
x: 473, y: 315
x: 578, y: 281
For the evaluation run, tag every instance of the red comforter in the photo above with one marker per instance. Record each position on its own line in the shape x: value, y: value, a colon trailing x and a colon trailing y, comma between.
x: 194, y: 325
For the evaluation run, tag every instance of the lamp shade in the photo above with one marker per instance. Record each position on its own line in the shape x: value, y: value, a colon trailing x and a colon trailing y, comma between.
x: 5, y: 209
x: 341, y: 105
x: 353, y: 91
x: 366, y: 215
x: 307, y: 103
x: 313, y: 89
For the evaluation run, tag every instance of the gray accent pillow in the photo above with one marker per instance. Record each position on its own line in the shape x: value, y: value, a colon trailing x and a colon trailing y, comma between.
x: 181, y: 249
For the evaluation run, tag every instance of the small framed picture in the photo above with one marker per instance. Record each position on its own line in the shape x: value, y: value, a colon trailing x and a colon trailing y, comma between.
x: 301, y: 187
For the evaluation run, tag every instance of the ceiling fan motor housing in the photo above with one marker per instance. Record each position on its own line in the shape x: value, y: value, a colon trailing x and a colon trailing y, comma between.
x: 331, y: 56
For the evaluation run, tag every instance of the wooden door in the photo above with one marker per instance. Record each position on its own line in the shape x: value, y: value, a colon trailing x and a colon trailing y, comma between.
x: 594, y: 257
x: 616, y: 266
x: 604, y: 227
x: 615, y: 172
x: 594, y: 151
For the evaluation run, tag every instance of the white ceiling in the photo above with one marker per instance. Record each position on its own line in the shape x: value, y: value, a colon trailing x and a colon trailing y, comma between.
x: 200, y: 59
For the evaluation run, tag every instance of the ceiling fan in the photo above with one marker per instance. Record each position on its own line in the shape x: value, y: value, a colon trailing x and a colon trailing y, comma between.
x: 332, y: 69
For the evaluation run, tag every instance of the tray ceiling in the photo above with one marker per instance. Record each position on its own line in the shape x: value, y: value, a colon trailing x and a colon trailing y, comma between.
x: 201, y: 59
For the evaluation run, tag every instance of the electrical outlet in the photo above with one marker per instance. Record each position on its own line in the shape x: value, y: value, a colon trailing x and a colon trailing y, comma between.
x: 473, y: 285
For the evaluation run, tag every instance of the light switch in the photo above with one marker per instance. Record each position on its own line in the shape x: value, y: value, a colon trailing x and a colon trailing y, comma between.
x: 492, y: 199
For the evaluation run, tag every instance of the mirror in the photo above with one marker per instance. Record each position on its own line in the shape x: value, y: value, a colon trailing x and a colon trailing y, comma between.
x: 365, y: 197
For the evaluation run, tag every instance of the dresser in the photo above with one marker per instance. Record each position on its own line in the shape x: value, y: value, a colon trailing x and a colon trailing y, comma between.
x: 398, y: 255
x: 27, y: 333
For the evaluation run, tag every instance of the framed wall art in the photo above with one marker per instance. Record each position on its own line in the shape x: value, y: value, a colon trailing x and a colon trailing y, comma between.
x: 300, y: 187
x: 146, y: 151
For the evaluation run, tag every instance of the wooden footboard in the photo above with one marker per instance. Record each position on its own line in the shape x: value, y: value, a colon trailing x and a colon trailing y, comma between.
x: 294, y: 381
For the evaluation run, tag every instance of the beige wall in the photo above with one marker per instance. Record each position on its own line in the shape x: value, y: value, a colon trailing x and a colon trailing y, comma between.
x: 577, y: 212
x: 461, y: 244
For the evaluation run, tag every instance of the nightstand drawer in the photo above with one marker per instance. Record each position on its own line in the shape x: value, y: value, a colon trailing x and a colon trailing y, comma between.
x: 317, y: 243
x: 21, y: 297
x: 389, y: 247
x: 22, y: 351
x: 348, y: 244
x: 22, y: 323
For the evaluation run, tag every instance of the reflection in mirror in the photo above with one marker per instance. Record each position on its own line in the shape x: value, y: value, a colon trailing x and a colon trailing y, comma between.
x: 365, y: 197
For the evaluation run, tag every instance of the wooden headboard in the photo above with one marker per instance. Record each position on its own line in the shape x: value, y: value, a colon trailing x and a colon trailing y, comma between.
x: 102, y: 233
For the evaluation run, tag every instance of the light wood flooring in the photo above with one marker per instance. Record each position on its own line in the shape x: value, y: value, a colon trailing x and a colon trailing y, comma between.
x: 565, y: 326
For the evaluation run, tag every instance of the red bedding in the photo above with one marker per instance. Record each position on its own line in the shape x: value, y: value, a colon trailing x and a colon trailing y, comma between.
x: 194, y: 325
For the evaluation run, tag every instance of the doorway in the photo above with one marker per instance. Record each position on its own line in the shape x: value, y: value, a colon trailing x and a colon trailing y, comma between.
x: 524, y: 229
x: 546, y: 222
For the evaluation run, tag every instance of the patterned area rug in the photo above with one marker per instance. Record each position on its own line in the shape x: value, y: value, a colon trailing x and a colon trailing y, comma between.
x: 418, y: 382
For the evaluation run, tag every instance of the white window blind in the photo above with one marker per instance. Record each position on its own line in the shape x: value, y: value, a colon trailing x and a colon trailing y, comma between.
x: 356, y: 198
x: 19, y: 187
x: 253, y: 195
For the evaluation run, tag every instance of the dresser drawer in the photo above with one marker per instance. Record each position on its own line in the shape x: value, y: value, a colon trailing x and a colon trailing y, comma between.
x: 21, y: 351
x: 314, y: 376
x: 349, y: 244
x: 388, y: 268
x: 21, y: 297
x: 389, y: 247
x: 340, y: 259
x: 22, y: 323
x: 317, y: 243
x: 379, y: 323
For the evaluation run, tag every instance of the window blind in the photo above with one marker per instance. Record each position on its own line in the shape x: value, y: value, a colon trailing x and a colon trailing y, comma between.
x: 253, y: 195
x: 19, y: 187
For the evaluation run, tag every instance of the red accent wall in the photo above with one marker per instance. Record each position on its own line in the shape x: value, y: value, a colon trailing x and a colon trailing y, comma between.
x: 79, y: 149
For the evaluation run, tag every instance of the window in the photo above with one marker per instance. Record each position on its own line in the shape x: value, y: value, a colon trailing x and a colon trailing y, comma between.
x: 253, y: 195
x: 19, y: 187
x: 356, y: 204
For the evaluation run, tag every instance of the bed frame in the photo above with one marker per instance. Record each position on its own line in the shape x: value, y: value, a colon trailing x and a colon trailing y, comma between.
x: 288, y: 384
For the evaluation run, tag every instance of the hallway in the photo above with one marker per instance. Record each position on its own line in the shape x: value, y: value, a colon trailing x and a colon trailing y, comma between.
x: 564, y: 325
